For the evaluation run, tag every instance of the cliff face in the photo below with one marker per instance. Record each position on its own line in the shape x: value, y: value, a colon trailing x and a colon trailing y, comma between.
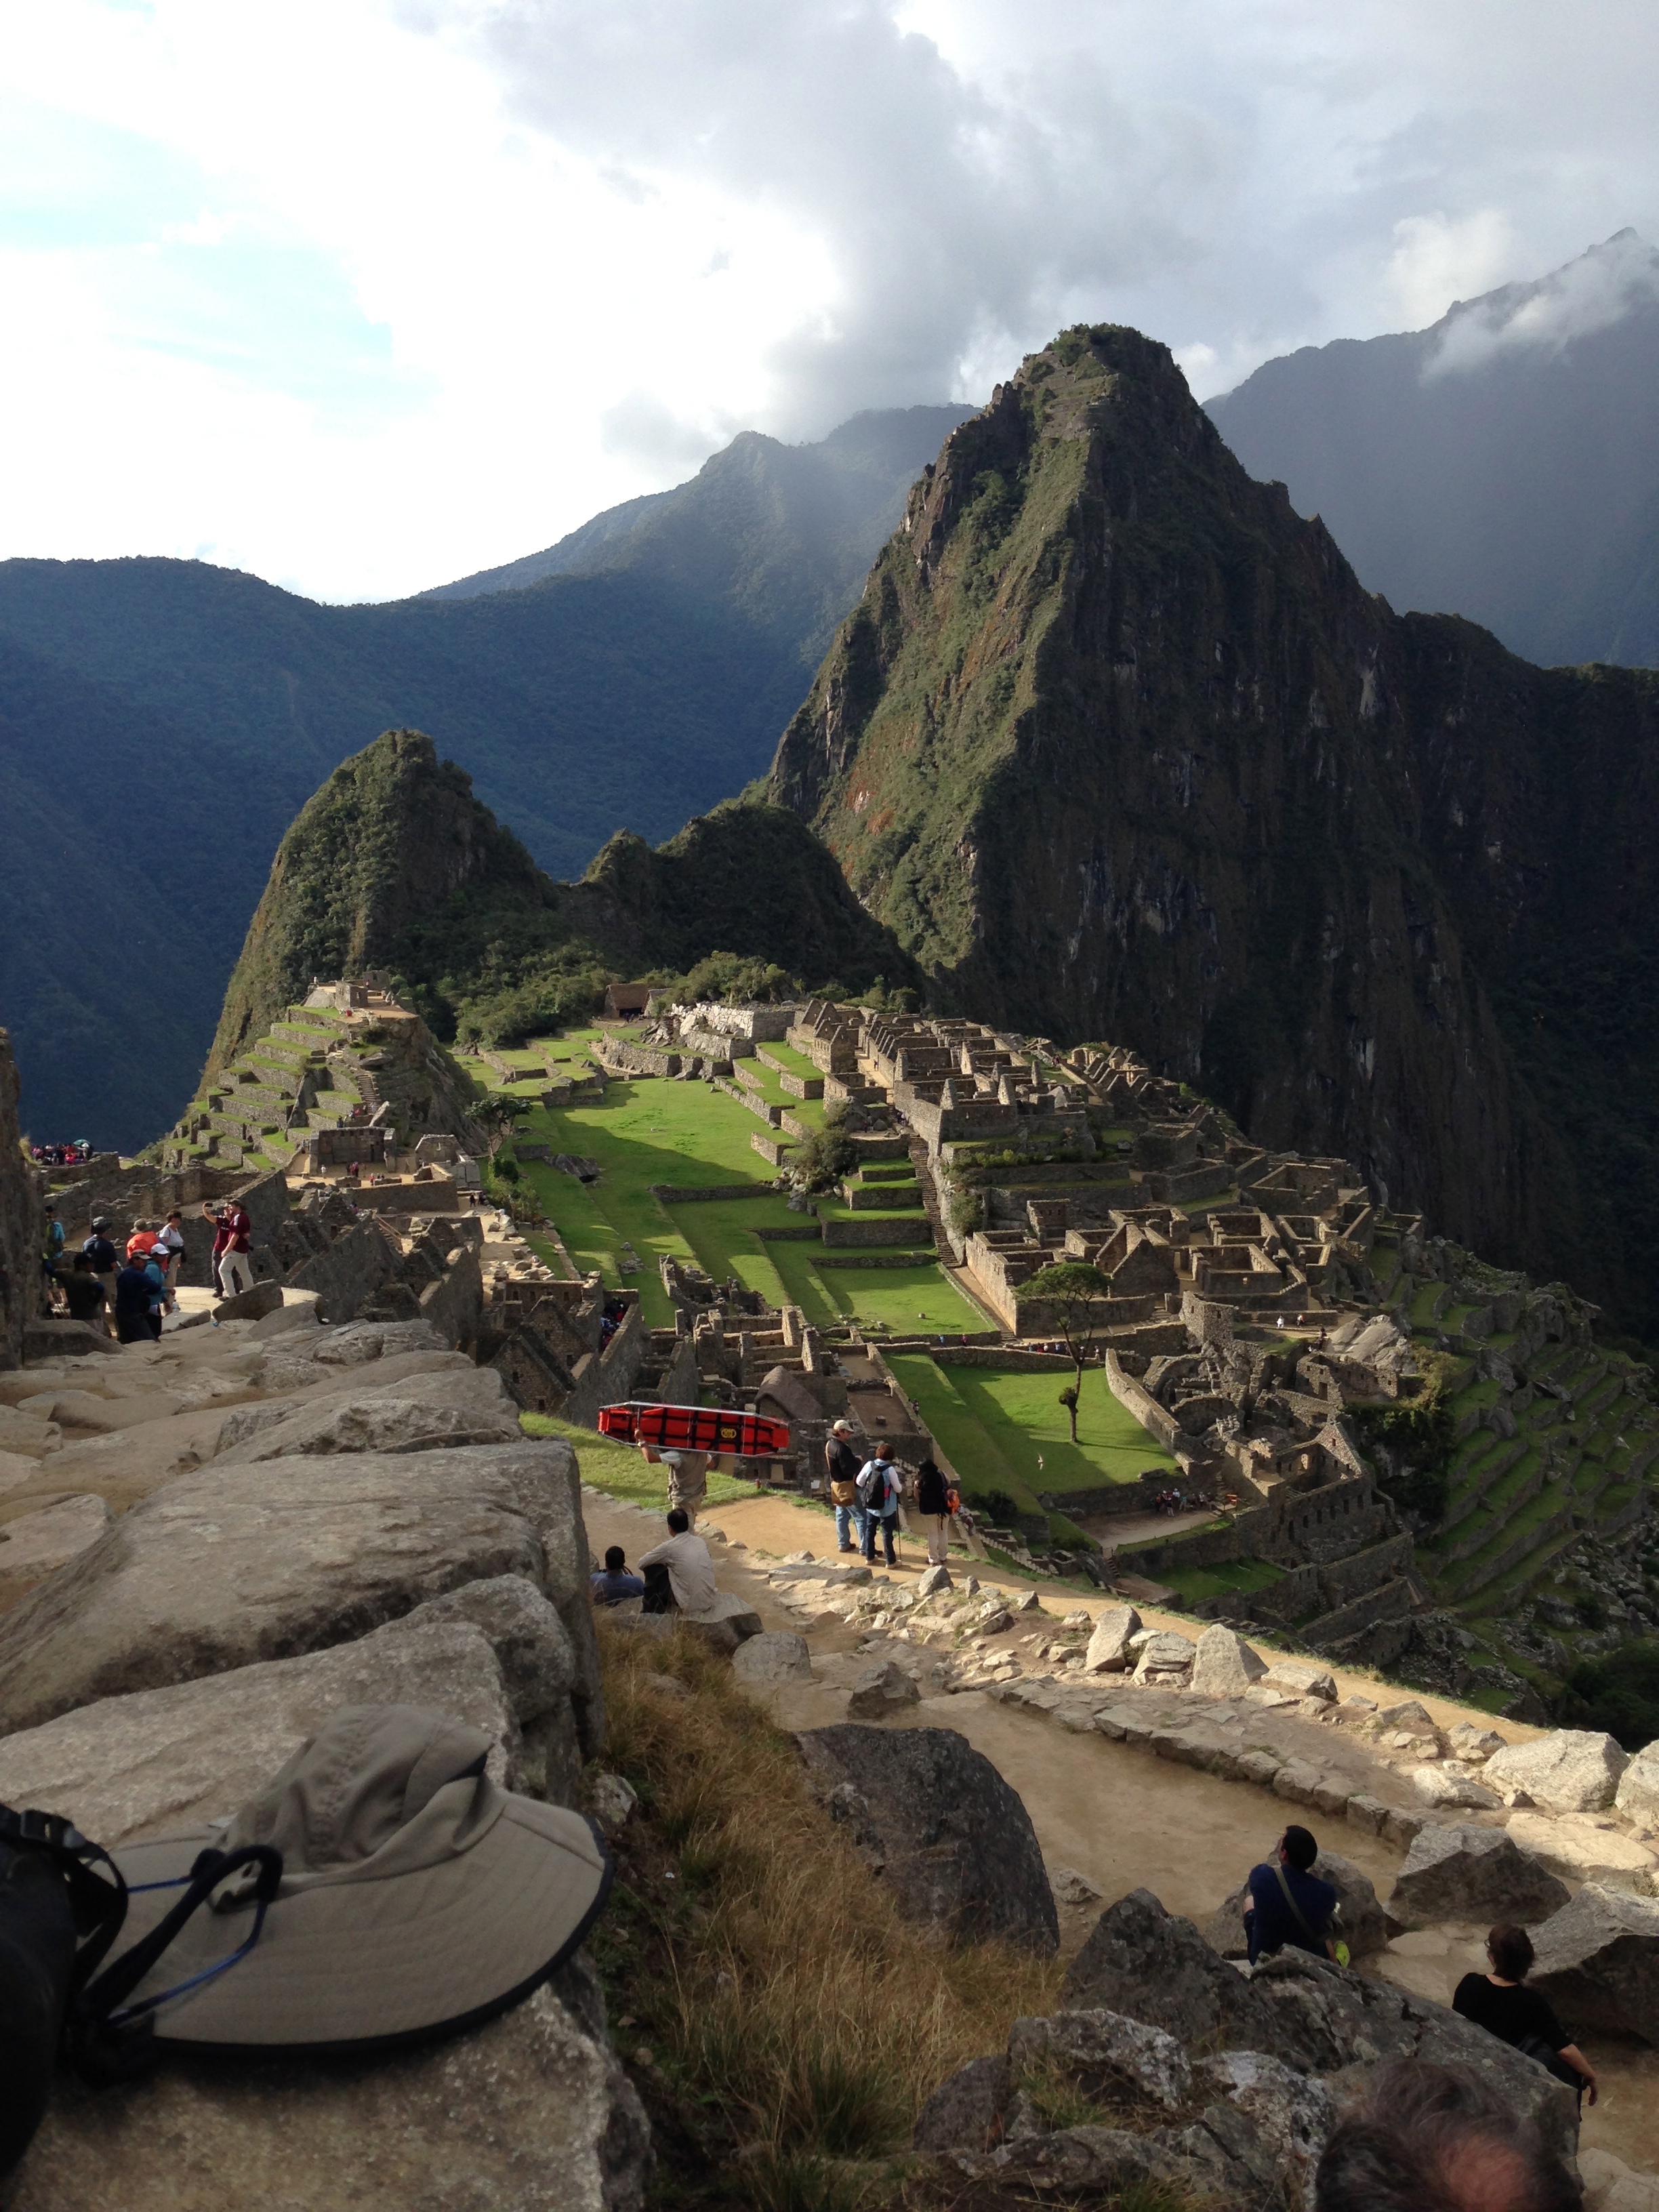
x: 20, y: 1222
x: 1118, y: 747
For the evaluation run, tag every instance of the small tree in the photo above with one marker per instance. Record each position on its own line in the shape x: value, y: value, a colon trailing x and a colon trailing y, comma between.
x: 1072, y: 1285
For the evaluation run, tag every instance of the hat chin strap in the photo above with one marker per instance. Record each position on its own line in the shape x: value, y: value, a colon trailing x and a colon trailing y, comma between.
x: 107, y: 2042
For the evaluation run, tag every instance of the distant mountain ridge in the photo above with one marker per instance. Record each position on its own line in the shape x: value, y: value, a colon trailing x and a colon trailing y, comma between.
x: 162, y: 722
x: 1502, y: 464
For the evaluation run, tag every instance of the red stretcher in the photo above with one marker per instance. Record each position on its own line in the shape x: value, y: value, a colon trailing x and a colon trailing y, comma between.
x: 695, y: 1428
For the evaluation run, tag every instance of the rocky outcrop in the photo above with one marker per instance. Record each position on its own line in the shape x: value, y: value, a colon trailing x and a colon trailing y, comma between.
x: 1109, y: 1644
x: 431, y: 1413
x: 533, y: 2110
x: 880, y: 1691
x: 1638, y: 1795
x: 775, y: 1656
x: 950, y: 1837
x: 1568, y: 1771
x: 20, y: 1221
x: 1598, y: 1962
x: 1472, y: 1873
x: 1224, y: 1665
x: 36, y: 1544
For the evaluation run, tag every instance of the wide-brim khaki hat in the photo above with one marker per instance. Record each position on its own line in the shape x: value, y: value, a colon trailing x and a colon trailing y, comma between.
x: 417, y: 1896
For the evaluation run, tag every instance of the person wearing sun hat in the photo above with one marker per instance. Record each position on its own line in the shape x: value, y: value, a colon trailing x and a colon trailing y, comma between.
x: 381, y: 1890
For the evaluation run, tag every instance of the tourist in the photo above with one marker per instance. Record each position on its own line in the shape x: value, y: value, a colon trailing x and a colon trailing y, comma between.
x: 934, y: 1505
x: 843, y: 1463
x: 84, y: 1295
x: 106, y: 1260
x: 687, y: 1478
x: 612, y: 1583
x: 679, y: 1575
x: 170, y: 1241
x: 156, y: 1276
x: 1289, y: 1904
x: 140, y: 1240
x: 132, y: 1297
x: 1500, y: 2001
x: 1428, y: 2138
x: 232, y: 1231
x: 51, y: 1251
x: 879, y: 1493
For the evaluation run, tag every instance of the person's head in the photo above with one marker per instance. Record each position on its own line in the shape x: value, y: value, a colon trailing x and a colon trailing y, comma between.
x: 614, y: 1560
x: 1298, y: 1848
x: 1434, y: 2139
x: 175, y: 1217
x: 678, y: 1521
x: 81, y: 1263
x: 51, y: 1208
x: 841, y: 1428
x: 884, y: 1450
x: 1509, y: 1949
x: 100, y: 1223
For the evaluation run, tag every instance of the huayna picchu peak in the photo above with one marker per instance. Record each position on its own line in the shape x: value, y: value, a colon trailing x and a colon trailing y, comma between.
x: 1115, y: 738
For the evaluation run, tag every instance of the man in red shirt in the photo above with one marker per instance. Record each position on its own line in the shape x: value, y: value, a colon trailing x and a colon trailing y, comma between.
x: 231, y: 1262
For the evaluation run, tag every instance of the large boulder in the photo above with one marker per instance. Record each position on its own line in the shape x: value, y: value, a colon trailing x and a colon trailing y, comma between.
x: 1449, y: 1790
x: 531, y: 2110
x: 227, y: 1566
x: 1362, y: 1924
x: 1224, y: 1665
x: 776, y: 1655
x: 726, y: 1622
x: 1165, y: 1658
x: 1109, y: 1646
x: 1472, y: 1873
x: 1638, y: 1795
x: 540, y: 1667
x: 35, y: 1544
x: 160, y: 1760
x: 1301, y: 1678
x: 1568, y: 1771
x: 881, y: 1690
x: 431, y: 1413
x: 1156, y: 1967
x: 949, y: 1835
x: 1581, y: 1849
x: 1598, y: 1962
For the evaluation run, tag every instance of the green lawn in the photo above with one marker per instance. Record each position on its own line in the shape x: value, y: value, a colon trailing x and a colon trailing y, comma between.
x: 1195, y: 1583
x: 996, y: 1426
x: 621, y: 1471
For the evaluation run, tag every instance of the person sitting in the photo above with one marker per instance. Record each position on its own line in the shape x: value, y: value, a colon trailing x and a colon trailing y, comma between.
x: 613, y: 1583
x: 84, y: 1294
x: 1500, y: 2001
x: 679, y: 1575
x: 1289, y: 1904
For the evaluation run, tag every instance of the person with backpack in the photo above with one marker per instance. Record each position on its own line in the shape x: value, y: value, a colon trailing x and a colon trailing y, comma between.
x: 51, y: 1251
x: 104, y: 1260
x: 879, y: 1490
x: 133, y: 1288
x: 934, y: 1504
x: 842, y: 1464
x: 1289, y: 1904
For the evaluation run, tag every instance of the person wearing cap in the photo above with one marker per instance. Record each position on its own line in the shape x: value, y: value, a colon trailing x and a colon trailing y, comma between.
x: 683, y: 1561
x: 143, y: 1237
x: 842, y: 1460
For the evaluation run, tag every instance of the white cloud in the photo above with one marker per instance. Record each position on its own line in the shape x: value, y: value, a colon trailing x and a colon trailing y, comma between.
x: 363, y: 294
x: 1590, y: 294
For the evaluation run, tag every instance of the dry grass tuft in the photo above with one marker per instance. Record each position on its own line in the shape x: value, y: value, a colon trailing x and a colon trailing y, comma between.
x: 792, y: 2019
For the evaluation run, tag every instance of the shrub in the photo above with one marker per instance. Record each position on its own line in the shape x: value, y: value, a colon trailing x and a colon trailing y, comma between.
x: 1618, y: 1692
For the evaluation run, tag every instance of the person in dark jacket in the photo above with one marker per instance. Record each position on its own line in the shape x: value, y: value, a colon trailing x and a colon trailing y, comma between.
x: 106, y: 1260
x: 1289, y: 1904
x: 133, y: 1292
x: 841, y: 1463
x: 1500, y: 2001
x: 934, y: 1505
x: 613, y: 1583
x: 880, y: 1488
x: 83, y: 1293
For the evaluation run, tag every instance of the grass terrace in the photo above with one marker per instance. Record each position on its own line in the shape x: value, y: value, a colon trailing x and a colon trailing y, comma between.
x: 621, y: 1471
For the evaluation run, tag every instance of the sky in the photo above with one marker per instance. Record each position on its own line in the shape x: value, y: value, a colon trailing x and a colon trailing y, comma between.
x: 365, y: 294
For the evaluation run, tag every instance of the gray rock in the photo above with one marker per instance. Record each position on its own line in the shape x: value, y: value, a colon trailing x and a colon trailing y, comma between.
x: 950, y: 1837
x: 1156, y: 1967
x: 774, y: 1655
x: 1598, y: 1963
x: 1164, y: 1657
x: 35, y: 1544
x: 1472, y: 1873
x: 173, y: 1759
x: 263, y: 1299
x: 1450, y: 1792
x: 1106, y: 2048
x: 1638, y: 1796
x: 966, y: 2111
x: 612, y: 1799
x: 533, y: 1649
x: 430, y: 1413
x: 1568, y: 1771
x: 1071, y: 1887
x: 936, y: 1578
x: 1407, y: 1718
x: 533, y: 2110
x: 1290, y: 2115
x: 297, y: 1314
x: 1300, y: 1678
x: 1109, y: 1646
x: 1224, y: 1665
x: 880, y: 1691
x: 227, y: 1566
x: 725, y: 1624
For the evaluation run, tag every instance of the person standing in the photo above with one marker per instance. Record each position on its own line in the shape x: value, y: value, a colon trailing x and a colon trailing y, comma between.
x: 1289, y: 1904
x: 132, y: 1295
x: 169, y: 1249
x: 106, y: 1262
x: 232, y: 1231
x: 1500, y: 2001
x: 842, y: 1464
x: 51, y: 1251
x: 934, y: 1505
x: 878, y: 1492
x: 155, y: 1275
x: 84, y: 1293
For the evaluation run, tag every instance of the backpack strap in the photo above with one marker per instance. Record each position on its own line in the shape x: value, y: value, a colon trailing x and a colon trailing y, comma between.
x: 1301, y: 1916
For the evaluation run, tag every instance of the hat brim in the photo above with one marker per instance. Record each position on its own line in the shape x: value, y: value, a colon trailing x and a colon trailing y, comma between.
x: 375, y: 1964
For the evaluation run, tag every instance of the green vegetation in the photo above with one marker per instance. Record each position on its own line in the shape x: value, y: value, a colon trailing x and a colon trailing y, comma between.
x: 1233, y: 1577
x: 621, y: 1471
x: 1617, y: 1692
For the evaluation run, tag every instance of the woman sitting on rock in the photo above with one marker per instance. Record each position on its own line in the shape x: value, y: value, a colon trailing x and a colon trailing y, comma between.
x: 1500, y: 2002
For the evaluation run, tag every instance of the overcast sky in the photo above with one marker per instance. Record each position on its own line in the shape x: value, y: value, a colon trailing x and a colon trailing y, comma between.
x: 363, y: 295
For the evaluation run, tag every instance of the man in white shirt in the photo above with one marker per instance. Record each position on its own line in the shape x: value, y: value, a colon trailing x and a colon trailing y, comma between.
x: 685, y: 1563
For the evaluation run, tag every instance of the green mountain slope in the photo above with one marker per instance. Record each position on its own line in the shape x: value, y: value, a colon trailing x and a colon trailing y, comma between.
x: 1501, y: 464
x: 161, y: 722
x: 1118, y: 746
x: 394, y: 863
